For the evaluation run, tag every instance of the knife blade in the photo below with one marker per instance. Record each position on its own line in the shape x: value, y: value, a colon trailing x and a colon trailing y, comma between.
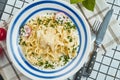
x: 103, y: 27
x: 87, y: 68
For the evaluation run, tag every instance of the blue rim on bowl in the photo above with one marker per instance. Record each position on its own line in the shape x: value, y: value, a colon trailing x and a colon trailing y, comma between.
x: 24, y: 15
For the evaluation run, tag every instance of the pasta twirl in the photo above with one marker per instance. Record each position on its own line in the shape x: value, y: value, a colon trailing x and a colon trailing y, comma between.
x: 49, y: 41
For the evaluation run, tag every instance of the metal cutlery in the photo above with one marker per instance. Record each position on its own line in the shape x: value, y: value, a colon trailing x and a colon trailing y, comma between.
x: 82, y: 71
x: 87, y: 67
x: 94, y: 29
x: 1, y: 78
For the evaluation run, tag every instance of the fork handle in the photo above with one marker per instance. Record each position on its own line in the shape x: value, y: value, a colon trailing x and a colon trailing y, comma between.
x: 87, y: 67
x: 91, y: 62
x: 1, y: 78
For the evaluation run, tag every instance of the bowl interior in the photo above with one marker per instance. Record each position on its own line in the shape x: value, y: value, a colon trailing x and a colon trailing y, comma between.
x: 39, y: 8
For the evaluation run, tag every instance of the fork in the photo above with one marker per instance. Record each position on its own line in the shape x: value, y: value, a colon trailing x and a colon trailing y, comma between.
x: 94, y: 29
x: 83, y: 71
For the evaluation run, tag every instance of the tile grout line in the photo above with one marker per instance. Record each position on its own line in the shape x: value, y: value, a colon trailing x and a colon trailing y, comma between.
x: 107, y: 65
x: 5, y: 65
x: 13, y: 8
x: 104, y: 74
x: 98, y: 71
x: 11, y: 64
x: 3, y: 8
x: 110, y: 63
x: 117, y: 70
x: 118, y: 15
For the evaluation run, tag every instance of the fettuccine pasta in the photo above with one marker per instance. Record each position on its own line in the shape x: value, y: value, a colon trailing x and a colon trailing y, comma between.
x: 49, y: 41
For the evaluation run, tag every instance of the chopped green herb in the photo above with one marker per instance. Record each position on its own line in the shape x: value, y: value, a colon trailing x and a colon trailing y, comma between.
x: 22, y: 30
x: 40, y: 63
x: 48, y: 65
x: 68, y: 24
x: 61, y: 21
x: 52, y: 25
x: 69, y: 31
x: 46, y: 62
x: 74, y: 49
x: 70, y: 40
x: 68, y: 37
x: 74, y: 27
x: 68, y: 48
x: 39, y: 58
x: 60, y: 59
x: 33, y: 53
x: 23, y: 43
x: 20, y: 40
x: 39, y: 21
x: 64, y: 17
x: 66, y: 58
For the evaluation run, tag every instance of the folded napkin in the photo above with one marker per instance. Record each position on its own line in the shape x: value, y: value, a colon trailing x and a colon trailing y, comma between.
x: 112, y: 35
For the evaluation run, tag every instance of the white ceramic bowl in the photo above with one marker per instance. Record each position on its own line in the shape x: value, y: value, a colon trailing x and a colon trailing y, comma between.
x: 36, y: 8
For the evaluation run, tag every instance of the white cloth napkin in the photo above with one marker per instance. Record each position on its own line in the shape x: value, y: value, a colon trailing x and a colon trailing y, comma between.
x: 113, y: 32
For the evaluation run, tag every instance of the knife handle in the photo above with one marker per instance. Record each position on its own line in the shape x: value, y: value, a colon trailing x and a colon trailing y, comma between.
x: 1, y: 78
x: 82, y: 72
x: 87, y: 67
x: 91, y: 62
x: 79, y: 74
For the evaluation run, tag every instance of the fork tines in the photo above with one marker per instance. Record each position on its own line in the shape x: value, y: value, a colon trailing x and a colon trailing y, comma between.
x: 96, y: 26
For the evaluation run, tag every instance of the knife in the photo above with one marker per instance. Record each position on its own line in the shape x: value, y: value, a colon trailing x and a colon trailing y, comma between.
x: 87, y: 68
